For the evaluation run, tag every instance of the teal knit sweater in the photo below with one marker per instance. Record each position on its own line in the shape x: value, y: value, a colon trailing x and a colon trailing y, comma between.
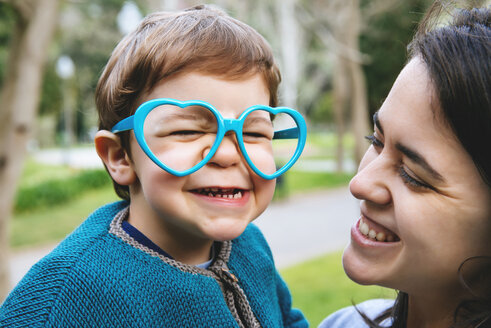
x: 99, y: 276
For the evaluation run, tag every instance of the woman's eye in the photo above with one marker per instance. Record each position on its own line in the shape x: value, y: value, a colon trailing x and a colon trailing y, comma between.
x: 374, y: 141
x: 409, y: 180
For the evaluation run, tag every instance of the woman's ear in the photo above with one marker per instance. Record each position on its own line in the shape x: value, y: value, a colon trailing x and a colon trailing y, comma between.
x: 116, y: 159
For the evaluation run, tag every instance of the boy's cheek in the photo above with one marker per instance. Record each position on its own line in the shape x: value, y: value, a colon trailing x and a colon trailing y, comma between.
x: 265, y: 191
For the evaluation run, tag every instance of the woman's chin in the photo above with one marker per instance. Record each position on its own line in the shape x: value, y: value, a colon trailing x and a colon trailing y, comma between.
x: 357, y: 269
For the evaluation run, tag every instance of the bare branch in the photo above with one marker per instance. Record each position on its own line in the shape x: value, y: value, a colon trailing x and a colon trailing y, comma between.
x: 329, y: 40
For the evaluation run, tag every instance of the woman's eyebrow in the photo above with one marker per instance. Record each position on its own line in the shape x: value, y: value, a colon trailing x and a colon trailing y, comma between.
x: 377, y: 122
x: 418, y: 159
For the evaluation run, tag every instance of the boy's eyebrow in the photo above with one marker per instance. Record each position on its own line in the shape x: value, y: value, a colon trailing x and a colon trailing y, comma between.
x: 259, y: 119
x: 418, y: 159
x: 377, y: 122
x: 190, y: 116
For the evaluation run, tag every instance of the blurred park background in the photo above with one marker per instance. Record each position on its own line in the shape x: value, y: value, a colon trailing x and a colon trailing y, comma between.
x: 338, y: 60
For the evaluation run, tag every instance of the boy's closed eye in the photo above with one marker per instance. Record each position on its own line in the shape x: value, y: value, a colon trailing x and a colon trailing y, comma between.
x: 257, y: 127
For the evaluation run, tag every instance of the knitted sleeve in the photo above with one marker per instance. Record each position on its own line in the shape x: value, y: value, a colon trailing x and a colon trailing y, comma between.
x: 31, y: 302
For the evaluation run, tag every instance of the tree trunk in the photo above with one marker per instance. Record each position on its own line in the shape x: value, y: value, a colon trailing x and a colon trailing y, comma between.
x: 289, y: 50
x: 36, y: 21
x: 339, y: 31
x: 359, y: 111
x: 340, y: 99
x: 359, y: 104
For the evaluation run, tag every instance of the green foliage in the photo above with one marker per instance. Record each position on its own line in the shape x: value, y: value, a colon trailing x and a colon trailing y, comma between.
x: 57, y: 191
x: 319, y: 287
x: 321, y: 111
x: 51, y: 94
x: 35, y: 173
x: 385, y: 41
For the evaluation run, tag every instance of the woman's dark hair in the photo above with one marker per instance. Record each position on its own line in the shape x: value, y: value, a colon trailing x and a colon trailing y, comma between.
x: 458, y: 59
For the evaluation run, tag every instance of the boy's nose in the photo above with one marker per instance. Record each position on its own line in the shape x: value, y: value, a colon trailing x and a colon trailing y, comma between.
x: 371, y: 181
x: 228, y: 152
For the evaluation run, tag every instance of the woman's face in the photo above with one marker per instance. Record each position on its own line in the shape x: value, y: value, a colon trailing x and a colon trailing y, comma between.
x: 424, y: 206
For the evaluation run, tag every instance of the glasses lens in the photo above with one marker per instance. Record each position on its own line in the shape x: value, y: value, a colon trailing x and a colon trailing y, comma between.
x: 267, y: 141
x: 180, y: 137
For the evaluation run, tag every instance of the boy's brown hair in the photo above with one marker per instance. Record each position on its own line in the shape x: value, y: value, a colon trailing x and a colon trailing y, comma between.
x: 201, y: 39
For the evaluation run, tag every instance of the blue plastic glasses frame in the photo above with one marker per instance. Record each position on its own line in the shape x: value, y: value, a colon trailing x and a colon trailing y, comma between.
x: 137, y: 120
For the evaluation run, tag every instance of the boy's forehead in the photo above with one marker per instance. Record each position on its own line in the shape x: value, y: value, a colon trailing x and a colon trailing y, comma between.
x: 228, y: 96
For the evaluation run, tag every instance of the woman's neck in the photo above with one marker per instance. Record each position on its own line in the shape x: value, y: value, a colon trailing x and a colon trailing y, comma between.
x: 431, y: 311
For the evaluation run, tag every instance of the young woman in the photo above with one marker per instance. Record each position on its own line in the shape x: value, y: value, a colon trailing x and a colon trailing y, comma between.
x: 425, y: 186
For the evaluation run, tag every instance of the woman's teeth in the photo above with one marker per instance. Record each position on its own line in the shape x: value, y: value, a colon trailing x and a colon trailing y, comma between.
x: 221, y: 193
x: 373, y: 234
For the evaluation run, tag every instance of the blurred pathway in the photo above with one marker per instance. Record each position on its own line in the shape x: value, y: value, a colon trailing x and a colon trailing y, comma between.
x: 309, y: 225
x: 297, y: 229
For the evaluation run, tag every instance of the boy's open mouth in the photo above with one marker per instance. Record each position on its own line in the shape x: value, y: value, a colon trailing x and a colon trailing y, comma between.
x: 230, y: 193
x: 375, y: 231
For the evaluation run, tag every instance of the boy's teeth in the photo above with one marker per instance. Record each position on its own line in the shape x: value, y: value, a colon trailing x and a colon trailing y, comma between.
x: 221, y: 193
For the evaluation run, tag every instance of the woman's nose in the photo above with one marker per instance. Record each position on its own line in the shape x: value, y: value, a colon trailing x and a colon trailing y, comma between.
x: 371, y: 181
x: 228, y: 152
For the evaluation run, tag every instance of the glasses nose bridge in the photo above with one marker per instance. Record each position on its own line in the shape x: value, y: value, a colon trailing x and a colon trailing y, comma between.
x: 231, y: 124
x: 235, y: 125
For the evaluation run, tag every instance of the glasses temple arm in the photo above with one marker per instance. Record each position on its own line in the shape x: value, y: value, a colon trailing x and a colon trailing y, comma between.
x: 291, y: 133
x: 123, y: 125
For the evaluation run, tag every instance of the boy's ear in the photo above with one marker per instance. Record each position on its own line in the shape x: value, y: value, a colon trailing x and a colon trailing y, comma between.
x: 117, y: 161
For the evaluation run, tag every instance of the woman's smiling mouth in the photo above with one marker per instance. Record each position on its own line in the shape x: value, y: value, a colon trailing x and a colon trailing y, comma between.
x: 375, y: 232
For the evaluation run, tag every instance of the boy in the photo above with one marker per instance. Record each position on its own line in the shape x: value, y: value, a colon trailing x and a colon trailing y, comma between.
x: 179, y: 250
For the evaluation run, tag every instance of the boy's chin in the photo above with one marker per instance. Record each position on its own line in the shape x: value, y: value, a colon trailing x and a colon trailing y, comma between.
x: 227, y: 230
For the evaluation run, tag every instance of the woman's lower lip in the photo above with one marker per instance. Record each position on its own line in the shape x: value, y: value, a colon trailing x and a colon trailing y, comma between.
x: 364, y: 241
x: 220, y: 201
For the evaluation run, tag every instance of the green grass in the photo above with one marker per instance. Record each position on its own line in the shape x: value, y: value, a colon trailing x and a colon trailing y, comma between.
x: 50, y: 225
x: 299, y: 181
x: 322, y: 145
x: 319, y: 287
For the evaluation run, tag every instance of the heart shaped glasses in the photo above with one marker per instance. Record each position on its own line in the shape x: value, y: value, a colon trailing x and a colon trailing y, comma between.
x: 182, y: 136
